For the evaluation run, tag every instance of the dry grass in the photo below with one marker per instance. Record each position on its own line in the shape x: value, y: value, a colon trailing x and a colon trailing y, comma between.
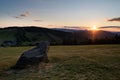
x: 89, y: 62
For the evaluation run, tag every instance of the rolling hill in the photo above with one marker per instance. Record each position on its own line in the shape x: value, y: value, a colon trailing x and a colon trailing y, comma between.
x: 31, y: 35
x: 24, y: 36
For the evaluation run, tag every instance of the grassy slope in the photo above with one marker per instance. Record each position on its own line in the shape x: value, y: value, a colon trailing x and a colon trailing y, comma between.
x: 89, y: 62
x: 6, y: 35
x: 31, y: 35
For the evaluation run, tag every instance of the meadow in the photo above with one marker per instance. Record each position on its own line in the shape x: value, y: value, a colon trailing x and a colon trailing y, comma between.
x: 81, y: 62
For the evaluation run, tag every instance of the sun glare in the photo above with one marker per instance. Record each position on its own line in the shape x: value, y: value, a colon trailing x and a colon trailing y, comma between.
x: 94, y: 28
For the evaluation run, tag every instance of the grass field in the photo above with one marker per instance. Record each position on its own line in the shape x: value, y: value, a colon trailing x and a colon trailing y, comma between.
x: 85, y: 62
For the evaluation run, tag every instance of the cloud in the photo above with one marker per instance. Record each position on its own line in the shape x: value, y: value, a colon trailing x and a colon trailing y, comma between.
x: 117, y: 27
x: 76, y: 27
x: 71, y: 27
x: 115, y: 19
x: 55, y: 26
x: 38, y: 20
x: 23, y: 15
x: 18, y: 17
x: 26, y: 14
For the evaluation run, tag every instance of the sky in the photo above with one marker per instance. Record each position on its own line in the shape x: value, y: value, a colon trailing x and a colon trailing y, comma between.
x: 60, y: 13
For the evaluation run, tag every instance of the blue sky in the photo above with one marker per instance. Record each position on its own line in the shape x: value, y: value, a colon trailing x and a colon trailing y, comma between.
x: 56, y: 13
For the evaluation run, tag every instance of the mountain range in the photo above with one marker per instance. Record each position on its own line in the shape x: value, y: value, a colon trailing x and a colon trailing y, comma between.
x: 24, y: 36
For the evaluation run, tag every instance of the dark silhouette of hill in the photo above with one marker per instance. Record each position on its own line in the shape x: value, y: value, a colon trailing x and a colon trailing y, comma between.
x: 24, y: 36
x: 31, y: 35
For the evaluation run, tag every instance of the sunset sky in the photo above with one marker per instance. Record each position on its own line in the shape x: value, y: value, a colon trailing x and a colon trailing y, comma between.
x: 59, y: 13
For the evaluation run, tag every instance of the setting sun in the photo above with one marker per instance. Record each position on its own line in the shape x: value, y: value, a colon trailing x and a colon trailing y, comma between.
x: 94, y: 28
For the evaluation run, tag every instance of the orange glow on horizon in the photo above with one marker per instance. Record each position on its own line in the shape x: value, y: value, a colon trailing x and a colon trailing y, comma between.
x: 94, y: 28
x: 94, y: 32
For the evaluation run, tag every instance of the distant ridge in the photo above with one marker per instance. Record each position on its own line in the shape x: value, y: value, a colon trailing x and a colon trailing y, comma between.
x: 30, y: 35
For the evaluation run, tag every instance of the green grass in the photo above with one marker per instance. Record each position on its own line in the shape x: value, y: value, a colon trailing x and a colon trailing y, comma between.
x: 6, y: 36
x: 85, y: 62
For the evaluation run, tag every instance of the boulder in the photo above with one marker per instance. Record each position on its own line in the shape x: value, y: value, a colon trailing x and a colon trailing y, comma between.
x: 33, y: 57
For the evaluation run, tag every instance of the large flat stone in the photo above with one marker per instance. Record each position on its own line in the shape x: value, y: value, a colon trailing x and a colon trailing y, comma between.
x: 33, y: 57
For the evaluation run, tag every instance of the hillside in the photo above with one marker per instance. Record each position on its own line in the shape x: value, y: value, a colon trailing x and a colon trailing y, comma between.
x: 30, y: 35
x: 24, y: 36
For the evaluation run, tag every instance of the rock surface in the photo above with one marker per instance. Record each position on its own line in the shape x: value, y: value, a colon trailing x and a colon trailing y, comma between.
x: 33, y: 57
